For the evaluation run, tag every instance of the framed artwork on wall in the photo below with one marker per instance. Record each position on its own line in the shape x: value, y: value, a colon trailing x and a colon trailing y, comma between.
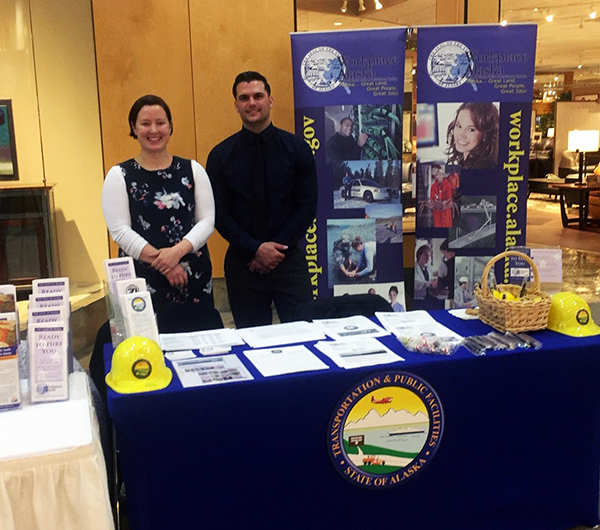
x: 8, y: 152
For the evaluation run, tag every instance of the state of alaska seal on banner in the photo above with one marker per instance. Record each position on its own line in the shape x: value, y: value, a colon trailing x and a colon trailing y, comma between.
x: 323, y: 69
x: 385, y: 430
x: 450, y: 64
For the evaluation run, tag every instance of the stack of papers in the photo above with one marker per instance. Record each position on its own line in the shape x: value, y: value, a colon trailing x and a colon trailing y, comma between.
x: 414, y: 324
x: 277, y: 334
x: 357, y: 353
x: 350, y: 328
x: 278, y: 361
x: 198, y: 340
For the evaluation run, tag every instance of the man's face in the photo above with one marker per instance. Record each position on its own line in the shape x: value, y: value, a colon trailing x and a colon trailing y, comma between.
x: 346, y: 127
x: 253, y: 104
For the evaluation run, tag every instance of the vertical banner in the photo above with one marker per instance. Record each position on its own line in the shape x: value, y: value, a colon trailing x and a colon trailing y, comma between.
x: 348, y: 91
x: 474, y: 94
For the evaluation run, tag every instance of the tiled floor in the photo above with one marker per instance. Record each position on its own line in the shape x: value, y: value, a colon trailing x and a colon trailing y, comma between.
x: 581, y: 248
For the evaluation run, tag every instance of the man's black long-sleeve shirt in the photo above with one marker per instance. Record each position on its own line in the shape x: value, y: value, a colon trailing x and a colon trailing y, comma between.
x: 290, y: 187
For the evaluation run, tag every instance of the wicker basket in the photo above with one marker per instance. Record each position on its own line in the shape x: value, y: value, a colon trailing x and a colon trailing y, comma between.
x: 528, y: 313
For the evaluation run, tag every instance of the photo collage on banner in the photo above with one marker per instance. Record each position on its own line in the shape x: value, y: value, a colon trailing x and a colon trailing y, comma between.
x: 348, y: 91
x: 474, y: 94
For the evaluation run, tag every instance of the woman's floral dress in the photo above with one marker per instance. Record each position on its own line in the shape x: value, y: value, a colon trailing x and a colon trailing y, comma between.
x: 161, y: 204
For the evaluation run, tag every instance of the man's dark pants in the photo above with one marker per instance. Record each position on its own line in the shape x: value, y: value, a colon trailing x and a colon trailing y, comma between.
x: 251, y: 293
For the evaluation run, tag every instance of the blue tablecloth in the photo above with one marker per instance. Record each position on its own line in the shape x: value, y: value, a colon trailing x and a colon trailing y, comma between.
x: 520, y: 447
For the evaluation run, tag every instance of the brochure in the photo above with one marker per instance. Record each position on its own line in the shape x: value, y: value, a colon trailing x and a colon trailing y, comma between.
x: 49, y: 375
x: 357, y: 353
x: 288, y: 360
x: 277, y: 334
x: 50, y: 286
x: 350, y: 327
x: 118, y: 269
x: 138, y: 316
x: 211, y: 371
x: 10, y: 395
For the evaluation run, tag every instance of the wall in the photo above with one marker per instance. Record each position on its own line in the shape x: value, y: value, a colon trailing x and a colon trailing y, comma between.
x: 48, y: 71
x: 189, y: 54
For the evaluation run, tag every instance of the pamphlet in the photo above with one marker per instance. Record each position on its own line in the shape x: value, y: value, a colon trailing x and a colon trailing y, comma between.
x: 118, y: 269
x: 211, y: 371
x: 547, y: 260
x: 206, y: 341
x: 350, y: 327
x: 10, y: 395
x: 8, y: 302
x: 49, y: 373
x: 131, y: 285
x: 357, y: 353
x: 277, y: 334
x: 50, y: 286
x: 52, y: 302
x: 414, y: 324
x: 40, y: 301
x: 138, y: 316
x: 288, y: 360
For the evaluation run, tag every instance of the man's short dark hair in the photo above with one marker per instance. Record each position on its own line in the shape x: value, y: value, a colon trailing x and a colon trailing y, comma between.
x: 347, y: 119
x: 150, y: 100
x: 247, y: 77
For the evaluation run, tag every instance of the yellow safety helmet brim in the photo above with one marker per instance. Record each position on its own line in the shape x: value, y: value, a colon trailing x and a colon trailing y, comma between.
x: 162, y: 379
x: 587, y: 330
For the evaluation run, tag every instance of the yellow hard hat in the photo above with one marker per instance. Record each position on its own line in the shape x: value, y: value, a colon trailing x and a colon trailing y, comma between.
x: 138, y: 365
x: 570, y: 314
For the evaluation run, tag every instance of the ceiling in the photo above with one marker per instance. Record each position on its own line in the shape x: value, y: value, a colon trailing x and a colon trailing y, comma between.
x: 570, y: 40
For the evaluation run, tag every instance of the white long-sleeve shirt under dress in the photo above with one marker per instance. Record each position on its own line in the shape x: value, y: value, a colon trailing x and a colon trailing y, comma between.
x: 161, y: 208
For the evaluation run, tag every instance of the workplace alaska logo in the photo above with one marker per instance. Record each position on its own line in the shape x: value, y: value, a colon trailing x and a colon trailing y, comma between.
x: 450, y: 64
x: 385, y: 430
x: 323, y: 69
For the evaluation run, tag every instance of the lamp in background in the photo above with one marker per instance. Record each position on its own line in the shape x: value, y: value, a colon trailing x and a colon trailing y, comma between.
x: 550, y: 132
x: 583, y: 142
x: 344, y: 7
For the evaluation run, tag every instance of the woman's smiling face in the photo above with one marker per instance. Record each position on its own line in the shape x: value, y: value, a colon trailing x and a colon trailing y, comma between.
x: 152, y: 128
x: 466, y: 135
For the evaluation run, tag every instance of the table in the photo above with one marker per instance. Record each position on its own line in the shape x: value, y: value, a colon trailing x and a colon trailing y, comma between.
x: 543, y: 185
x: 519, y: 448
x: 52, y: 471
x: 583, y: 190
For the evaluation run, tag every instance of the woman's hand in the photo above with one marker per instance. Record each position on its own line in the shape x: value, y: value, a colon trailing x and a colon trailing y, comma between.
x: 177, y: 277
x: 167, y: 258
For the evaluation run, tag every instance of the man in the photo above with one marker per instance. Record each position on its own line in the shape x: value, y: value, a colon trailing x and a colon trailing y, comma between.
x: 446, y: 271
x: 462, y: 296
x: 265, y: 186
x: 342, y: 145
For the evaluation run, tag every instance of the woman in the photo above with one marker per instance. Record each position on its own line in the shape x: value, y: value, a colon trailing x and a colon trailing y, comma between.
x: 393, y: 294
x: 473, y: 136
x: 159, y: 208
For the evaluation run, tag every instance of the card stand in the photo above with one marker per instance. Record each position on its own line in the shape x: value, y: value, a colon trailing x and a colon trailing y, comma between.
x: 115, y: 318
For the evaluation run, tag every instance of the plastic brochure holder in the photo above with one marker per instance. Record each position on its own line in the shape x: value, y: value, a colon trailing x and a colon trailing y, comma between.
x: 115, y: 317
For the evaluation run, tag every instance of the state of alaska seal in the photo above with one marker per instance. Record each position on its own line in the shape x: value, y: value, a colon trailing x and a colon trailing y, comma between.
x: 385, y: 430
x: 450, y: 64
x: 323, y: 69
